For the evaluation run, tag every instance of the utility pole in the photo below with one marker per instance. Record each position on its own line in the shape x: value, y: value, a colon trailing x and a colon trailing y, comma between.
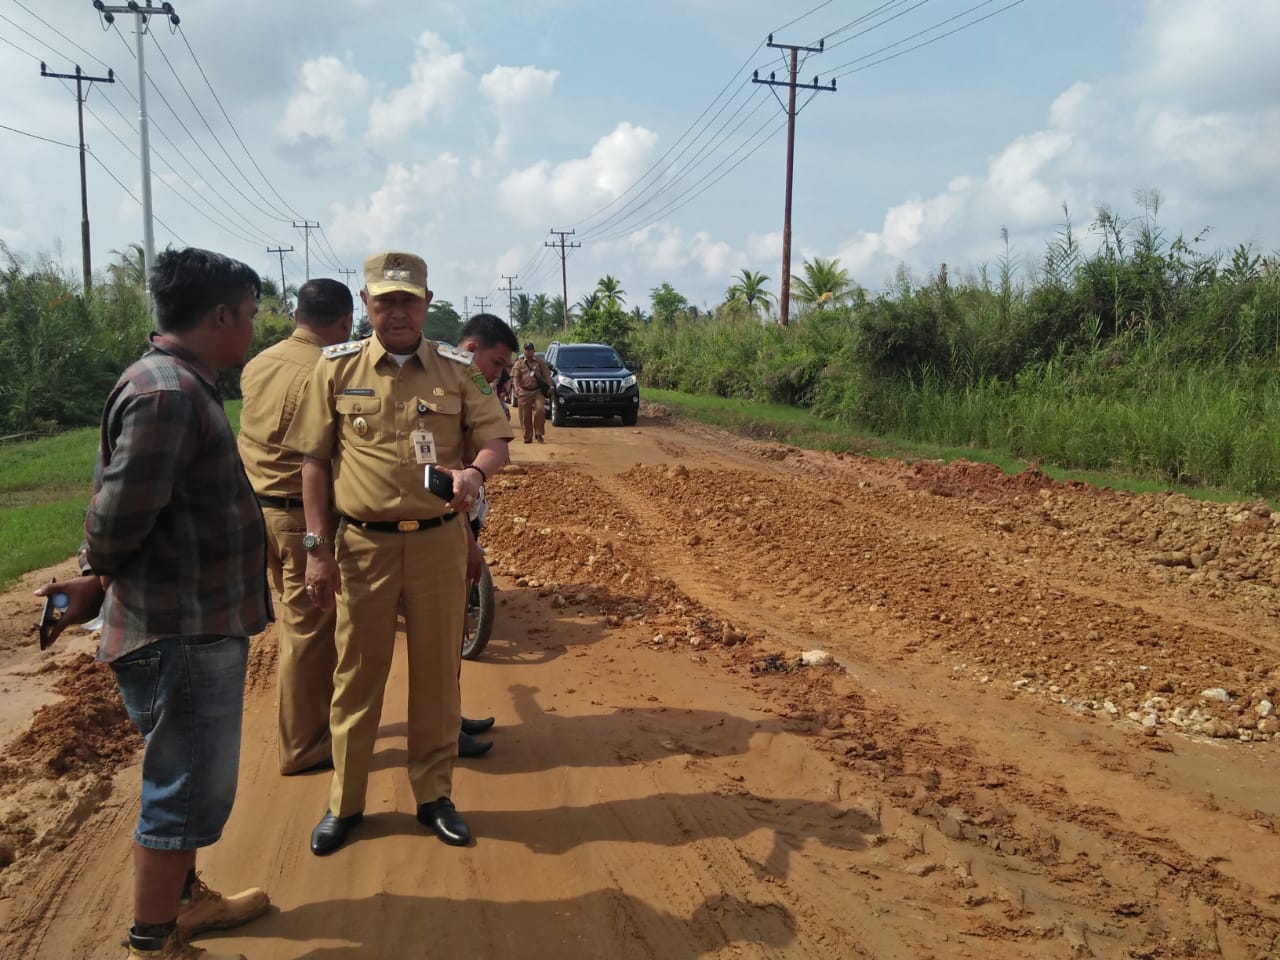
x: 281, y: 251
x: 564, y: 277
x: 347, y: 275
x: 79, y: 77
x: 511, y: 309
x: 481, y: 303
x: 792, y: 85
x: 306, y: 226
x: 141, y: 13
x: 465, y: 315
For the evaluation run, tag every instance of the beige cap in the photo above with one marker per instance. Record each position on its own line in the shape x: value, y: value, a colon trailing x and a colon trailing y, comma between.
x: 392, y: 271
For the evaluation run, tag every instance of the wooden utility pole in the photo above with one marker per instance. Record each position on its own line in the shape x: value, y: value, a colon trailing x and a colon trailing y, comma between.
x: 281, y: 251
x: 481, y: 303
x: 792, y: 85
x: 80, y: 79
x: 511, y: 300
x: 564, y: 277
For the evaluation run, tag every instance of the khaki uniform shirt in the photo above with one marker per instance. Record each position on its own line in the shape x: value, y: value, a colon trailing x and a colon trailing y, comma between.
x: 522, y: 373
x: 272, y: 384
x: 361, y: 409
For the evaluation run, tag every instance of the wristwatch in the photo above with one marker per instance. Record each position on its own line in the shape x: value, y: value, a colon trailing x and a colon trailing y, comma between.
x: 312, y: 540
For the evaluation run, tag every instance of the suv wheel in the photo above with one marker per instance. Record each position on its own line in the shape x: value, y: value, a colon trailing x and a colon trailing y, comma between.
x: 557, y: 413
x: 629, y: 418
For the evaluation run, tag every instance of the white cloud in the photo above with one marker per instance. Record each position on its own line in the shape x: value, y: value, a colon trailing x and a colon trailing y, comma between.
x: 437, y: 79
x: 328, y: 91
x: 400, y: 211
x: 514, y: 91
x: 512, y: 87
x: 574, y: 188
x: 1209, y: 55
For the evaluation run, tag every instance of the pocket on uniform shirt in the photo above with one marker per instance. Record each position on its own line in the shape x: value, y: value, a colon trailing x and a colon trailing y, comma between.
x: 360, y: 416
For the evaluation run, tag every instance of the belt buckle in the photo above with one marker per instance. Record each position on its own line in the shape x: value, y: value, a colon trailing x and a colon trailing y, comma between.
x: 407, y: 526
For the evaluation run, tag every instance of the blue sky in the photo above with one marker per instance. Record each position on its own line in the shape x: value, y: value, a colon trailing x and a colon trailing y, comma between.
x: 466, y: 131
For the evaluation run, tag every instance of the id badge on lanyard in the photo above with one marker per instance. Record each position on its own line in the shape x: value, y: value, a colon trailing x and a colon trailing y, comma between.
x: 424, y: 441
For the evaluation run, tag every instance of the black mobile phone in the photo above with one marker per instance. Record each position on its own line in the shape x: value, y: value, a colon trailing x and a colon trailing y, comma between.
x: 441, y: 484
x: 51, y: 613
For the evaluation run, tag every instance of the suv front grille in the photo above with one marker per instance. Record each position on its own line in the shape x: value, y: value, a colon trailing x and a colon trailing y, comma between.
x: 609, y: 387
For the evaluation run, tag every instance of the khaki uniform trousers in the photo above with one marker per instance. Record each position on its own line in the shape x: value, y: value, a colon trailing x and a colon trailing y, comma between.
x: 307, y: 655
x: 428, y: 570
x: 533, y: 416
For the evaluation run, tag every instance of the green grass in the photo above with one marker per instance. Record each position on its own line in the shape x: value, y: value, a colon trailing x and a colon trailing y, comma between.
x: 792, y: 425
x: 45, y: 486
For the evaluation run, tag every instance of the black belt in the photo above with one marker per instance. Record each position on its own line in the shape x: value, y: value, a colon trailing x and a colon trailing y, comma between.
x: 280, y: 503
x: 400, y: 526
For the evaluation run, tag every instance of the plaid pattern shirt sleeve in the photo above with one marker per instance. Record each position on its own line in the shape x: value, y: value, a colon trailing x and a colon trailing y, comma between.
x: 173, y: 520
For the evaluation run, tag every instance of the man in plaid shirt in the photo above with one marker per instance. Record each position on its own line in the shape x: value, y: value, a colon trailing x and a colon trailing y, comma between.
x: 175, y: 554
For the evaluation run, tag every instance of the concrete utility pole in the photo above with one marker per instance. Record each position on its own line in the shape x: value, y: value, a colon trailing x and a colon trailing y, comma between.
x: 511, y: 309
x: 281, y: 251
x: 792, y: 85
x: 80, y: 78
x: 141, y: 13
x: 564, y: 277
x: 306, y: 226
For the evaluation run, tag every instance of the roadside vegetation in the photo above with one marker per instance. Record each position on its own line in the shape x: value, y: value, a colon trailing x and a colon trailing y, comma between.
x: 1130, y: 354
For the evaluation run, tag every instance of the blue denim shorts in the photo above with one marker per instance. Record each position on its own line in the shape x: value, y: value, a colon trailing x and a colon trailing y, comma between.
x: 186, y: 696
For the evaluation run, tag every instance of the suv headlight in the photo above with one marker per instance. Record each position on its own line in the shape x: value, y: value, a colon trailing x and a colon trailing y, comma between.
x: 566, y: 382
x: 629, y: 381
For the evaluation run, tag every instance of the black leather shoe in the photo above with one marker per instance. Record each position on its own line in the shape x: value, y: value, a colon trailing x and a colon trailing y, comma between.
x: 446, y: 822
x: 476, y: 726
x: 469, y: 746
x: 331, y: 832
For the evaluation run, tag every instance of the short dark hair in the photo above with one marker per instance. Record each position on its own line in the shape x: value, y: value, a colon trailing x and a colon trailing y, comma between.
x: 187, y: 284
x: 489, y: 331
x: 323, y: 302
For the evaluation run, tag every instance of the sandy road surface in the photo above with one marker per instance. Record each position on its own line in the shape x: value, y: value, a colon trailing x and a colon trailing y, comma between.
x: 1048, y: 731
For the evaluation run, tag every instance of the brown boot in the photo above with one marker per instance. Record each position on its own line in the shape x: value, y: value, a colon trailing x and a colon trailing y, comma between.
x: 176, y: 948
x: 209, y: 910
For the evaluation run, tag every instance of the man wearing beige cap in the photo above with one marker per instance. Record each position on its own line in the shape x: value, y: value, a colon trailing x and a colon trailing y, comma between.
x: 378, y: 417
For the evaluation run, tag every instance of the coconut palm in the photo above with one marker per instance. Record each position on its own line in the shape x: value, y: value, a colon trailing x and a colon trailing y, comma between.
x: 748, y: 286
x: 824, y: 282
x: 609, y: 290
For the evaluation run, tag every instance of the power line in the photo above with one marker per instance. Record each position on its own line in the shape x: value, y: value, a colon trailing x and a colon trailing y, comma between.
x: 36, y: 136
x: 239, y: 140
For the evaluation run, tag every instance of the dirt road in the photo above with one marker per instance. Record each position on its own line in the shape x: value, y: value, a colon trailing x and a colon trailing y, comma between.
x: 1047, y: 729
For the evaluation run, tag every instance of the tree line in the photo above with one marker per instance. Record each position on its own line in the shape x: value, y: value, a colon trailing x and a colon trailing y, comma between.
x: 1127, y: 349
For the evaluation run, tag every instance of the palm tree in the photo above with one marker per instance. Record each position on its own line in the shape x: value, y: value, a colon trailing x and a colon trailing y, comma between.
x: 556, y: 313
x: 749, y: 287
x: 609, y: 290
x: 825, y: 282
x: 590, y: 301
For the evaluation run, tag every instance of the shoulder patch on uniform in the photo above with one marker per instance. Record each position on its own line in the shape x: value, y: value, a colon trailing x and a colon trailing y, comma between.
x: 450, y: 352
x: 335, y: 350
x: 478, y: 379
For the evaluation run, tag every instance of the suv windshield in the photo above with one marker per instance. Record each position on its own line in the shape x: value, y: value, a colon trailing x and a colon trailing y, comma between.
x: 584, y: 358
